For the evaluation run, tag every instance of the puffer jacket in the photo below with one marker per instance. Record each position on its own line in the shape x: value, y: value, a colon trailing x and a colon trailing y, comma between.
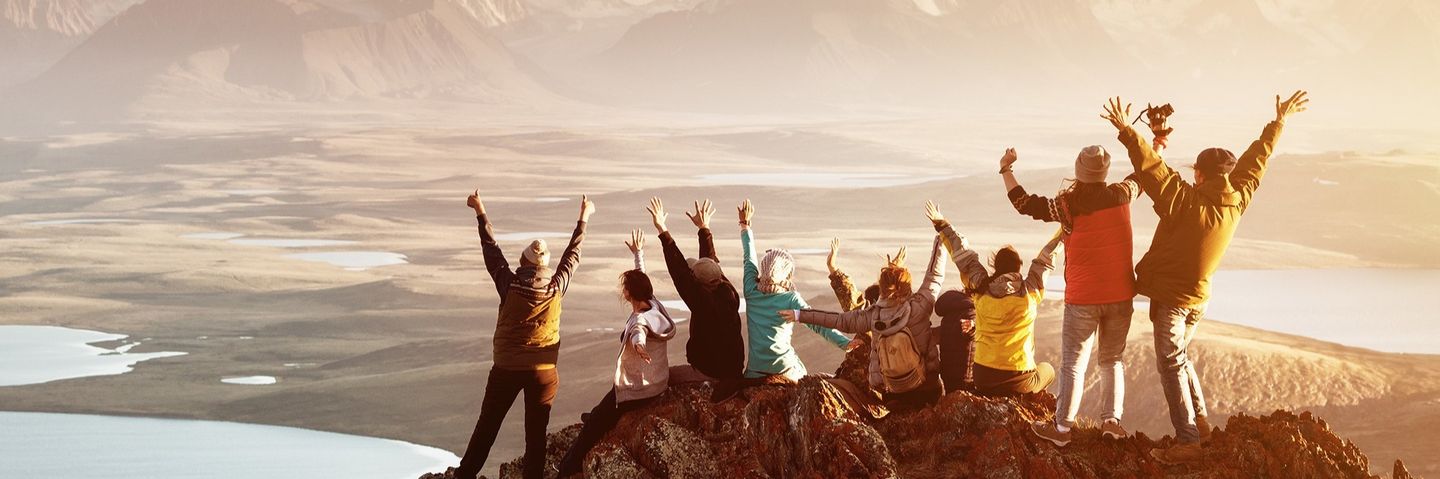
x: 1005, y: 311
x: 889, y: 316
x: 1098, y: 255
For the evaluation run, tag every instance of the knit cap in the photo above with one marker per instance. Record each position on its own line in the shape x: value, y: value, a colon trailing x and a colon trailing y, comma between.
x: 956, y: 304
x: 776, y: 269
x: 537, y: 254
x: 706, y: 270
x: 1092, y: 165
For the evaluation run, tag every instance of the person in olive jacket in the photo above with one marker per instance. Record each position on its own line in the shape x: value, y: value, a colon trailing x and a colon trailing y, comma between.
x: 1196, y: 225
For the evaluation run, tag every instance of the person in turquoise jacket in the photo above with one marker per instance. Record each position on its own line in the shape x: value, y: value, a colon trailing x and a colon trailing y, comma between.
x: 769, y: 288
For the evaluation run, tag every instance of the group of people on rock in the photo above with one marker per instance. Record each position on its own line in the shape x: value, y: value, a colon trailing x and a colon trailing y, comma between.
x: 984, y: 343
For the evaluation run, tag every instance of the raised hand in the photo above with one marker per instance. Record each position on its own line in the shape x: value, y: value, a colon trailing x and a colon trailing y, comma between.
x: 587, y: 208
x: 657, y: 214
x: 933, y: 212
x: 637, y: 241
x: 788, y: 315
x: 746, y: 211
x: 834, y: 254
x: 703, y: 212
x: 1008, y: 160
x: 474, y: 203
x: 1116, y: 113
x: 1295, y: 104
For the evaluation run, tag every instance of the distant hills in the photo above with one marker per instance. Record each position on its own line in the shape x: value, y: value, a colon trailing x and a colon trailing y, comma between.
x: 73, y: 57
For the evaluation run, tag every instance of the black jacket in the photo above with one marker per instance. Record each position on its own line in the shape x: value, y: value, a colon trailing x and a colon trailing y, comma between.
x: 716, y: 347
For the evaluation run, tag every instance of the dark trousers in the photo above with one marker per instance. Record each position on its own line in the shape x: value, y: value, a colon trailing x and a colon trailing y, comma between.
x: 997, y: 382
x: 924, y: 396
x: 600, y: 421
x: 957, y: 355
x: 500, y: 391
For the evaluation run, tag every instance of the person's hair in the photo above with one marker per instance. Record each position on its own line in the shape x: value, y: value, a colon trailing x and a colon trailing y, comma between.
x: 635, y: 285
x: 1004, y: 261
x: 872, y: 294
x: 894, y: 282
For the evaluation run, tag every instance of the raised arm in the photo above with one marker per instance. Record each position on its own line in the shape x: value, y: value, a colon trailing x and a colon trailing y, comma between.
x: 1034, y: 206
x: 1157, y: 179
x: 935, y: 272
x: 1250, y: 168
x: 845, y: 291
x: 701, y: 218
x: 675, y: 263
x: 1042, y: 265
x: 637, y: 248
x: 495, y: 262
x: 571, y: 258
x: 747, y: 250
x: 967, y: 261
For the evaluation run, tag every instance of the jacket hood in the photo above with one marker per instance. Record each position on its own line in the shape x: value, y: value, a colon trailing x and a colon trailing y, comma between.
x: 1219, y: 191
x: 892, y: 315
x: 1008, y: 284
x: 534, y: 275
x: 662, y: 326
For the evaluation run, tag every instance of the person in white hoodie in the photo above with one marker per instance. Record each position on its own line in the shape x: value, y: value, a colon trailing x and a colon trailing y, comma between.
x: 642, y: 368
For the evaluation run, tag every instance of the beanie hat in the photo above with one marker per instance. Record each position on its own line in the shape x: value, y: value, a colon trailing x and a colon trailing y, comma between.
x: 955, y: 303
x: 1215, y: 161
x: 537, y: 254
x: 1092, y: 165
x: 706, y: 270
x: 776, y: 269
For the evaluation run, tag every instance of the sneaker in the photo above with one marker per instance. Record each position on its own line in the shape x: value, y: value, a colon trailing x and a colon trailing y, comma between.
x: 1203, y: 426
x: 1112, y: 430
x: 1178, y: 454
x: 1047, y: 431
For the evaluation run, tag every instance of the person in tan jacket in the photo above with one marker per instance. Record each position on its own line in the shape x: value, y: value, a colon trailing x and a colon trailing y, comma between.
x: 1196, y: 225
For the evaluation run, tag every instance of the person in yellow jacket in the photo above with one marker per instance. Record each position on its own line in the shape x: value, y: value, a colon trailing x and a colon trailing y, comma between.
x: 1006, y: 304
x: 1196, y: 225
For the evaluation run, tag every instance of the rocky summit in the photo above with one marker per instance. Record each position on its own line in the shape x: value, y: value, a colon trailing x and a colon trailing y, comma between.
x: 813, y: 430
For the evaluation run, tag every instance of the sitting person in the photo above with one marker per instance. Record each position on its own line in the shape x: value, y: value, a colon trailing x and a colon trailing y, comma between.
x: 956, y: 337
x: 716, y: 349
x: 1005, y: 309
x: 904, y: 362
x: 642, y: 370
x: 770, y: 288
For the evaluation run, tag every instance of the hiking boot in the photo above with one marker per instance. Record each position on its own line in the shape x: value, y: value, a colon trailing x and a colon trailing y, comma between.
x: 1047, y: 431
x: 1178, y: 454
x: 1204, y: 427
x: 1112, y: 430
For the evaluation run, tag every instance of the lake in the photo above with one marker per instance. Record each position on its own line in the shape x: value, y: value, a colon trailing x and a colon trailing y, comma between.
x: 40, y: 354
x: 40, y: 445
x: 1392, y: 310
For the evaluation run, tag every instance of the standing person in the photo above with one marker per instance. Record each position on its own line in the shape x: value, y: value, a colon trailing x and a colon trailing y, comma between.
x: 770, y: 288
x: 527, y: 340
x: 904, y: 359
x: 1099, y: 284
x: 642, y: 368
x: 1006, y: 305
x: 957, y: 340
x: 1196, y: 225
x: 716, y: 348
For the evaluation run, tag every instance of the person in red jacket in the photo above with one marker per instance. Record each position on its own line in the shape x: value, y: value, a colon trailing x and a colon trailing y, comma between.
x: 1099, y: 284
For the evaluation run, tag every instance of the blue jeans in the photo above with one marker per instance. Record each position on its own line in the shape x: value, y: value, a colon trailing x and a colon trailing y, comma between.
x: 1083, y: 323
x: 1174, y: 331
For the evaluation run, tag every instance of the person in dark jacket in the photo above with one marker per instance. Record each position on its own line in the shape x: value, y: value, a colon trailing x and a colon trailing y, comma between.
x: 1196, y: 225
x: 716, y: 348
x: 526, y: 342
x: 957, y: 340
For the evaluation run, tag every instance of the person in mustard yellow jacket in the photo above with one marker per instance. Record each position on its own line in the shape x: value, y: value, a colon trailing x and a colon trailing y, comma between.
x: 1006, y: 304
x: 1196, y: 225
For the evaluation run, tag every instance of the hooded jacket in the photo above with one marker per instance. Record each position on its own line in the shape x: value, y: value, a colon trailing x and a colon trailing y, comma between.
x: 770, y: 348
x: 1099, y: 246
x: 1196, y: 222
x: 527, y: 328
x: 652, y: 331
x: 888, y: 316
x: 716, y: 347
x: 1005, y: 311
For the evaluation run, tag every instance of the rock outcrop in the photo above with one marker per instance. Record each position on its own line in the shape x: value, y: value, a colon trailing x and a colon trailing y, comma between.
x: 811, y: 429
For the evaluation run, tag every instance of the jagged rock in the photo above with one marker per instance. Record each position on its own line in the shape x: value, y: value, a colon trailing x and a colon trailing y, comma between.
x: 1400, y: 471
x: 811, y: 429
